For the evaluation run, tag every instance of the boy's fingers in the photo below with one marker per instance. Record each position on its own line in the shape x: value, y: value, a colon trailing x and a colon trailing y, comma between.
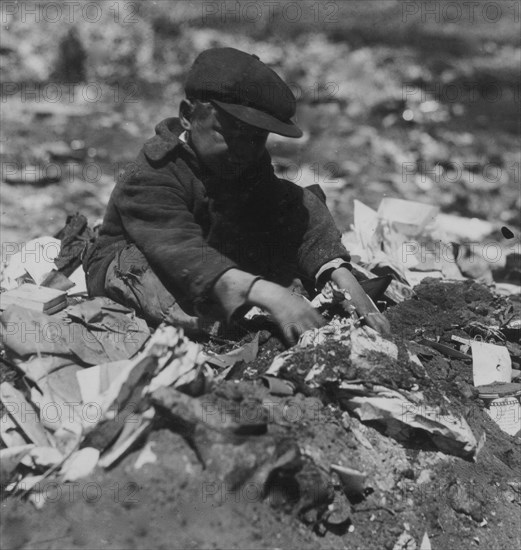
x: 379, y: 323
x: 292, y: 331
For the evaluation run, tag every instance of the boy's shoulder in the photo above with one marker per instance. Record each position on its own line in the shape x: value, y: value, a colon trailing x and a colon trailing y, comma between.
x: 159, y: 157
x: 166, y: 140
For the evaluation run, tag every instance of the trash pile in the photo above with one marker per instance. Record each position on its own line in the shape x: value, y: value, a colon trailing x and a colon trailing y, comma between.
x: 84, y: 382
x: 359, y: 388
x: 412, y: 241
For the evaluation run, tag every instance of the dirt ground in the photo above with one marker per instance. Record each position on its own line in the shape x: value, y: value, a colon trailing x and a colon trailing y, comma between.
x: 174, y: 503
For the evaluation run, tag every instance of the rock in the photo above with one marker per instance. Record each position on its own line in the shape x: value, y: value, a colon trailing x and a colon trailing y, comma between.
x: 463, y: 502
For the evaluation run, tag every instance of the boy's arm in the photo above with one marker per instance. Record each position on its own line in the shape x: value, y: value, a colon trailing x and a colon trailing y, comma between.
x: 292, y: 314
x: 322, y: 254
x: 153, y: 209
x: 364, y: 306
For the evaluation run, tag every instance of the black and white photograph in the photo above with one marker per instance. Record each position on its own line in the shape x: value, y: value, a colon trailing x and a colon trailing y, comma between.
x: 260, y: 274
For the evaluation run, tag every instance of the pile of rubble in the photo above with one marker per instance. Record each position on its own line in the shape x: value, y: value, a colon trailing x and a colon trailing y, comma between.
x: 86, y: 383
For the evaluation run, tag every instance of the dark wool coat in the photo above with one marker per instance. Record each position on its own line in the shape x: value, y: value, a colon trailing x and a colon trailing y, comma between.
x: 192, y: 228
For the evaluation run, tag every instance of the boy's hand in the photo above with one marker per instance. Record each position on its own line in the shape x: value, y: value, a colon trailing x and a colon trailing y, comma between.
x: 291, y: 312
x: 378, y: 322
x: 363, y: 304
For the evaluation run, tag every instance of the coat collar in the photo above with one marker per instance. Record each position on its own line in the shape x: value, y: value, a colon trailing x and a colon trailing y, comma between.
x: 165, y: 140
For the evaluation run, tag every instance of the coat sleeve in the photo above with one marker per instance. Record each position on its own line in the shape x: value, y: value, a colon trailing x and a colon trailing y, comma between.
x: 319, y: 240
x: 155, y: 214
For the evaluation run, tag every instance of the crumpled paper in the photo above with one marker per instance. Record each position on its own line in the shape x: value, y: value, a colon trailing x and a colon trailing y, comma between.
x: 83, y: 417
x: 96, y: 331
x: 403, y: 412
x: 400, y: 411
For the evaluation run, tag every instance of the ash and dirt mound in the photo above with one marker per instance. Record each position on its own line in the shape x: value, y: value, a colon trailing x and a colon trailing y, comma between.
x: 173, y: 502
x: 441, y: 307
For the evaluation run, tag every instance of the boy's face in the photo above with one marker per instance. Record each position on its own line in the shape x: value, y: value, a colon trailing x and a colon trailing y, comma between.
x: 224, y: 144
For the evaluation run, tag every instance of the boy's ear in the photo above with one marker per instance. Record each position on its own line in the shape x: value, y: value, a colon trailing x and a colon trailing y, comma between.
x: 186, y: 109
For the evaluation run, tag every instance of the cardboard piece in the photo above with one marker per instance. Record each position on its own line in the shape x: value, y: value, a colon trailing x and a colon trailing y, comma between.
x: 490, y: 363
x: 37, y: 298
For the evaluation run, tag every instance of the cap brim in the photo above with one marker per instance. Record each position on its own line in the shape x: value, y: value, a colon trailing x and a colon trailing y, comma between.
x: 260, y: 119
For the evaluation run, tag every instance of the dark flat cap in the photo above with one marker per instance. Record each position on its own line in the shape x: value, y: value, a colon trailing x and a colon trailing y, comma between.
x: 246, y: 88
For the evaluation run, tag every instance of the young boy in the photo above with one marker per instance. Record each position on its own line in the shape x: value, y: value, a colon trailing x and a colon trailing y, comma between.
x: 199, y: 226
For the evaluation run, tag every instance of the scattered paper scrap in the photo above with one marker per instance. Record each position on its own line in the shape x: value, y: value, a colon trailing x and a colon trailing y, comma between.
x: 9, y: 460
x: 24, y: 414
x: 247, y: 353
x: 80, y: 464
x: 490, y: 363
x: 34, y: 259
x: 146, y: 456
x: 353, y: 481
x: 425, y: 543
x: 399, y: 413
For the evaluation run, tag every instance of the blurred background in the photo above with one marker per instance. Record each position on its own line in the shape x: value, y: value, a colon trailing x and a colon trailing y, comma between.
x: 417, y: 100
